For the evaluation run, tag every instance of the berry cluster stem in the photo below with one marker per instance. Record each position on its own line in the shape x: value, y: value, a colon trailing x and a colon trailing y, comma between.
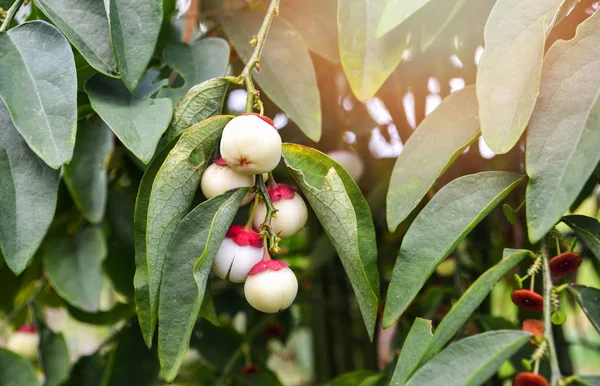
x: 554, y: 366
x: 10, y: 14
x: 267, y: 232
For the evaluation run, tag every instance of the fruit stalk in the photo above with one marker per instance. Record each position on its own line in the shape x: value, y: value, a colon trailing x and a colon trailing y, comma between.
x: 554, y: 366
x: 10, y: 14
x: 266, y: 226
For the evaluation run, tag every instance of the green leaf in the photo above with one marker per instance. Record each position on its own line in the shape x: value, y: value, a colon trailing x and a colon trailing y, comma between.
x: 140, y: 219
x: 88, y: 371
x: 509, y: 213
x: 39, y: 86
x: 316, y: 22
x: 131, y: 363
x: 413, y: 349
x: 137, y: 119
x: 85, y: 24
x: 117, y: 313
x: 508, y: 78
x: 16, y: 370
x: 471, y: 361
x: 207, y: 309
x: 173, y: 191
x: 395, y: 13
x: 346, y: 218
x: 134, y: 29
x: 190, y: 257
x: 430, y: 150
x: 588, y: 299
x: 351, y: 379
x: 53, y: 352
x: 86, y: 175
x: 202, y: 60
x: 470, y: 301
x: 27, y: 196
x: 284, y: 49
x: 73, y: 266
x: 588, y: 380
x: 367, y: 60
x: 587, y: 229
x: 562, y: 141
x: 472, y: 197
x: 440, y: 16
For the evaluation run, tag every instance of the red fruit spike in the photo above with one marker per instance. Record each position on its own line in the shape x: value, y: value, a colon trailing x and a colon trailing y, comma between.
x: 220, y: 161
x: 536, y: 327
x: 273, y: 265
x: 250, y: 369
x: 281, y: 192
x: 28, y: 329
x: 244, y: 237
x: 564, y: 263
x: 528, y: 300
x: 274, y: 330
x: 529, y: 379
x: 266, y: 119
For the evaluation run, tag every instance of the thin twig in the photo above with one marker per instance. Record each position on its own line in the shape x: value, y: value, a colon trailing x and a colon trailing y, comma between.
x: 266, y: 226
x: 10, y: 14
x: 554, y: 366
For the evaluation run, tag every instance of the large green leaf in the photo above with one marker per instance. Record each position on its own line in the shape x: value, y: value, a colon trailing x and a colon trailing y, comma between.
x: 73, y: 265
x: 85, y: 24
x: 88, y: 371
x: 173, y: 191
x: 508, y: 77
x: 39, y: 86
x: 438, y: 229
x: 202, y: 60
x: 136, y: 118
x: 294, y: 90
x: 316, y: 22
x: 86, y: 175
x: 16, y: 370
x: 441, y: 15
x: 471, y: 361
x: 27, y: 196
x: 470, y: 300
x: 435, y: 144
x: 200, y: 102
x: 355, y: 378
x: 588, y: 380
x: 562, y: 138
x: 134, y: 28
x: 587, y: 229
x: 395, y: 13
x: 367, y: 60
x: 190, y: 257
x: 117, y: 313
x: 53, y: 352
x: 413, y: 349
x: 346, y: 217
x: 589, y: 301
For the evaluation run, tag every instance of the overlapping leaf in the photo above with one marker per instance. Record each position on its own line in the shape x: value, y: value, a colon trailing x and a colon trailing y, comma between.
x: 589, y: 301
x: 396, y: 12
x: 16, y: 370
x: 414, y: 347
x: 587, y: 229
x: 53, y: 352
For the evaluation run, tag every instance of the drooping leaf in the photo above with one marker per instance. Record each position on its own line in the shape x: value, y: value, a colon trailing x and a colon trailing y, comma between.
x: 173, y: 191
x: 471, y: 361
x: 430, y: 150
x: 346, y: 217
x: 473, y: 197
x: 131, y: 363
x: 136, y: 118
x: 134, y: 28
x: 39, y: 86
x: 16, y: 370
x: 395, y: 13
x: 190, y: 257
x: 207, y: 309
x: 316, y: 22
x: 588, y: 380
x: 284, y: 48
x: 200, y: 102
x: 85, y: 24
x: 438, y: 19
x: 86, y: 176
x: 508, y: 77
x: 587, y: 229
x: 117, y: 313
x: 196, y: 63
x: 73, y: 265
x: 470, y: 300
x: 88, y: 371
x: 52, y: 352
x: 27, y: 196
x: 355, y: 378
x: 367, y: 60
x: 562, y: 138
x: 588, y: 299
x: 413, y: 349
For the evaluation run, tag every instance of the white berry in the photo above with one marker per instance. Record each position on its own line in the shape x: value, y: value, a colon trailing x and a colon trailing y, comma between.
x: 240, y: 250
x: 291, y: 213
x: 271, y: 288
x: 219, y: 178
x: 24, y: 342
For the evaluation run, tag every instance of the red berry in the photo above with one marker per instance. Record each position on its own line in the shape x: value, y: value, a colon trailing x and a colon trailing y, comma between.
x: 528, y: 300
x: 529, y: 379
x: 250, y: 369
x: 564, y: 263
x: 274, y: 330
x: 28, y: 329
x: 536, y: 327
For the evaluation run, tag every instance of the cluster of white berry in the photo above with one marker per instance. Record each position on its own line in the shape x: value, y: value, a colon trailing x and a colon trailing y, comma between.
x: 251, y: 145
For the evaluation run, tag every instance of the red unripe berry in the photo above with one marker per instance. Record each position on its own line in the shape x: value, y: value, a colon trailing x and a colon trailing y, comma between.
x: 529, y: 379
x: 564, y: 263
x: 528, y: 300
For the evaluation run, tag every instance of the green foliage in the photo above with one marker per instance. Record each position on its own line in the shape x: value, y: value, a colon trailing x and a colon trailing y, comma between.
x: 16, y: 370
x: 587, y: 229
x: 587, y: 298
x: 53, y: 353
x: 413, y: 349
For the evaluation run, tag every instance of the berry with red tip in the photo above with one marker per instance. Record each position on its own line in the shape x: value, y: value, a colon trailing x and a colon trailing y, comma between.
x: 536, y: 327
x: 291, y: 213
x: 240, y: 250
x: 529, y: 379
x: 528, y: 300
x: 349, y: 161
x: 250, y: 144
x: 271, y: 286
x: 564, y: 263
x: 218, y: 178
x: 24, y: 341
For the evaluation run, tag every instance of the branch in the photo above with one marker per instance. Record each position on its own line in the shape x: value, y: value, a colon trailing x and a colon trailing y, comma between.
x: 554, y: 366
x: 266, y: 226
x: 10, y: 14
